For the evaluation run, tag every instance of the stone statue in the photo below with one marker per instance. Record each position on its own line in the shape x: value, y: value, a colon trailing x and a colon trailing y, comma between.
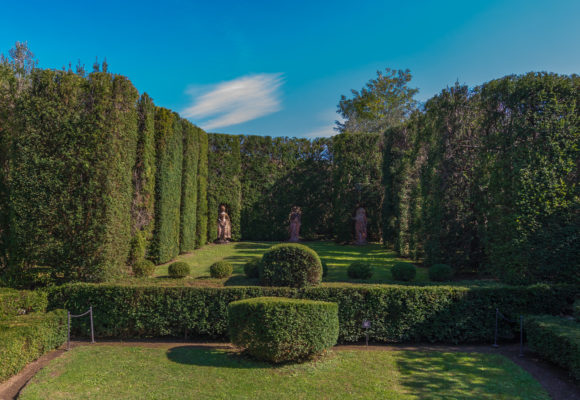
x: 360, y: 226
x: 224, y: 225
x: 295, y: 218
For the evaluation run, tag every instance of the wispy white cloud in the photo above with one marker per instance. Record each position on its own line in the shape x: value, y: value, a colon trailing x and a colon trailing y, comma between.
x: 324, y: 131
x: 327, y: 130
x: 236, y: 101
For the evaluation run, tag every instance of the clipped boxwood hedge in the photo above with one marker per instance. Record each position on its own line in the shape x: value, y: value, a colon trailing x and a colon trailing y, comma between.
x: 444, y: 314
x: 290, y: 264
x: 221, y: 269
x: 25, y: 338
x: 555, y: 339
x: 278, y: 329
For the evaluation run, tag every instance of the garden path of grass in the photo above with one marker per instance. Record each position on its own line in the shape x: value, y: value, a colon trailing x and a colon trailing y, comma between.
x: 201, y: 372
x: 338, y: 258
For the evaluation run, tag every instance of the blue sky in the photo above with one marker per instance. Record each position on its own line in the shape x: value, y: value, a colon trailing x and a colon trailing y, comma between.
x: 279, y: 68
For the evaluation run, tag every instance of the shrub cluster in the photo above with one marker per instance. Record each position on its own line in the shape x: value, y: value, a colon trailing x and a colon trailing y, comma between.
x: 25, y: 338
x: 360, y: 270
x: 221, y: 269
x: 278, y: 329
x: 178, y: 269
x: 557, y: 340
x: 252, y: 268
x: 18, y: 302
x: 404, y: 272
x: 290, y: 264
x: 440, y: 272
x: 143, y: 268
x: 442, y: 314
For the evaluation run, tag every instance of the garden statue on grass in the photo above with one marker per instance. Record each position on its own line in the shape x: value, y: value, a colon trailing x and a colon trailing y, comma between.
x: 224, y: 226
x: 360, y: 226
x: 295, y: 220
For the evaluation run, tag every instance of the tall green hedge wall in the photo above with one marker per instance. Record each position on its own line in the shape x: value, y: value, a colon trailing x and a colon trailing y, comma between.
x: 202, y: 171
x: 7, y: 84
x: 486, y: 179
x: 169, y: 148
x: 224, y: 186
x: 74, y: 147
x: 189, y: 186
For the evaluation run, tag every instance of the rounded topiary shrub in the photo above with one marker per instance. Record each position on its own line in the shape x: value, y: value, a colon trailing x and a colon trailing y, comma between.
x: 252, y: 268
x: 404, y: 272
x: 290, y: 264
x: 143, y: 268
x: 221, y: 269
x: 360, y: 270
x: 440, y: 272
x: 278, y: 329
x: 178, y: 269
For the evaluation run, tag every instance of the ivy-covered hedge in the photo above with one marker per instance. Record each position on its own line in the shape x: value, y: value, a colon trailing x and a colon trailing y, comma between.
x: 397, y: 313
x: 189, y: 186
x: 74, y: 148
x: 25, y: 338
x: 555, y: 339
x: 169, y: 148
x: 224, y: 186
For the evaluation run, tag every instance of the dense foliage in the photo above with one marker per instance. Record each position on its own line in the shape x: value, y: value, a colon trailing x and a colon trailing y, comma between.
x: 404, y: 272
x: 143, y: 268
x: 202, y: 212
x: 290, y: 264
x: 252, y: 268
x: 360, y: 270
x: 277, y: 329
x: 440, y: 272
x: 189, y: 189
x: 557, y: 340
x: 19, y: 302
x: 397, y: 313
x: 179, y: 269
x: 221, y: 269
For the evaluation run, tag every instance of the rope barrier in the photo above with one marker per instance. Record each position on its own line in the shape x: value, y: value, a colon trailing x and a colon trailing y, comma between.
x: 69, y: 315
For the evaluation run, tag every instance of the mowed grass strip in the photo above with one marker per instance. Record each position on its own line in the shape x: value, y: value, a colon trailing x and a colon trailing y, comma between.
x: 338, y: 258
x: 193, y: 372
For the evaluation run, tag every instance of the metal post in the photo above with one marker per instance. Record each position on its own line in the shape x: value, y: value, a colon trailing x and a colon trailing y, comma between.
x: 521, y: 335
x: 92, y: 327
x: 68, y: 331
x: 495, y: 335
x: 367, y: 337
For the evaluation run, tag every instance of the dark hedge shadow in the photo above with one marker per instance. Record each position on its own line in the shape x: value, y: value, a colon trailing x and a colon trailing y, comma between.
x: 217, y: 356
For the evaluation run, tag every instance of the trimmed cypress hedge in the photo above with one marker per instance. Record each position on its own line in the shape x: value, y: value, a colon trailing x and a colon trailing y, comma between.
x: 169, y: 147
x: 143, y: 206
x: 555, y: 339
x: 224, y: 187
x: 278, y: 329
x: 7, y: 81
x: 71, y: 179
x: 23, y: 339
x: 189, y: 186
x: 202, y: 171
x: 442, y: 314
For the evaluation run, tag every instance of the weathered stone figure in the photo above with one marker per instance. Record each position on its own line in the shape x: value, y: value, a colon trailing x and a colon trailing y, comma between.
x: 360, y: 226
x: 295, y: 218
x: 224, y: 225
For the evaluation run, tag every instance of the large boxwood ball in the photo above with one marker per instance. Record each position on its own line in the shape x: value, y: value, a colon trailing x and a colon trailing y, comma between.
x: 221, y: 269
x: 440, y: 272
x: 178, y: 269
x: 278, y: 329
x: 143, y: 268
x: 360, y: 270
x: 404, y: 272
x: 290, y: 264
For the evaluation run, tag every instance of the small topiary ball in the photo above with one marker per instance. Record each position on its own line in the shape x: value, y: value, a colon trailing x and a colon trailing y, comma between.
x: 143, y: 268
x: 440, y: 272
x: 221, y: 269
x: 290, y: 264
x: 178, y: 269
x: 252, y: 268
x: 404, y: 272
x: 324, y: 269
x: 360, y: 270
x: 278, y: 329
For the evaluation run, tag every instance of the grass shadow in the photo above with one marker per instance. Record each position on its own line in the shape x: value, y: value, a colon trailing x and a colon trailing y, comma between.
x: 218, y: 357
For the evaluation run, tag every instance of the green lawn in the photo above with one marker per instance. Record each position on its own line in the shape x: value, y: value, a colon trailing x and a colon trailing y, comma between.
x: 338, y: 258
x: 193, y: 372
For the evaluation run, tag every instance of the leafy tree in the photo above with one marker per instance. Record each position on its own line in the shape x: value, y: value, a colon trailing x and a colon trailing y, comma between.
x: 384, y: 102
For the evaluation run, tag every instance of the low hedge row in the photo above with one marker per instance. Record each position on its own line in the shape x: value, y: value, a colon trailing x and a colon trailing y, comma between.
x: 17, y: 302
x: 443, y: 314
x: 277, y: 329
x: 25, y: 338
x: 555, y: 339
